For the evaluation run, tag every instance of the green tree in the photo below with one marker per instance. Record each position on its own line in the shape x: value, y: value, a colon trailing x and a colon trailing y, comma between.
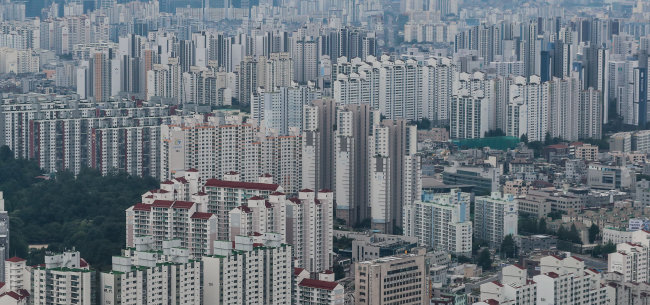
x: 593, y: 232
x: 574, y: 236
x: 339, y: 272
x: 485, y: 260
x: 541, y: 226
x: 524, y: 138
x: 508, y: 247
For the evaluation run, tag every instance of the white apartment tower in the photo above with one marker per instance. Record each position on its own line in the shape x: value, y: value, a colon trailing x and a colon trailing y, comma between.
x: 318, y: 145
x: 394, y: 173
x: 255, y: 269
x: 495, y: 217
x: 441, y: 222
x: 142, y: 275
x: 63, y: 279
x: 352, y: 159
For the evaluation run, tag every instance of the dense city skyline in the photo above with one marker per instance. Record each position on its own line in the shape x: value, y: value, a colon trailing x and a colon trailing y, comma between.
x: 324, y: 152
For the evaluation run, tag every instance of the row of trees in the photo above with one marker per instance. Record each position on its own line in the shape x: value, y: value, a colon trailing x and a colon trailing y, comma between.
x: 86, y: 212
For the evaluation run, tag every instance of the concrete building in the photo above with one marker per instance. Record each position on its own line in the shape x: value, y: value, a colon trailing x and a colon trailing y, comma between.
x: 281, y: 109
x: 142, y: 275
x: 495, y: 217
x: 561, y: 281
x: 255, y: 269
x: 4, y: 236
x: 318, y: 145
x: 351, y: 152
x: 65, y: 133
x: 225, y: 195
x: 226, y: 143
x: 441, y: 222
x: 387, y: 280
x: 610, y: 177
x: 369, y: 245
x: 66, y: 279
x: 306, y: 222
x: 320, y: 291
x: 395, y: 174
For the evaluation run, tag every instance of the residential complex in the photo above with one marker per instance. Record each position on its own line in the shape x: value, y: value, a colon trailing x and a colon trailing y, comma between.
x: 441, y: 222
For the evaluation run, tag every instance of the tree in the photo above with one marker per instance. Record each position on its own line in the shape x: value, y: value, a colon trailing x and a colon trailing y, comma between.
x: 485, y: 260
x: 574, y: 236
x: 524, y: 138
x: 508, y: 247
x: 423, y: 124
x: 541, y: 227
x: 339, y: 272
x: 593, y: 232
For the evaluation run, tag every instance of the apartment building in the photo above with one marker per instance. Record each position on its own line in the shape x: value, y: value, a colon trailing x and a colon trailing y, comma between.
x: 495, y: 217
x: 64, y: 279
x: 225, y: 195
x: 142, y: 275
x: 251, y: 269
x: 561, y: 281
x: 441, y: 222
x: 306, y: 222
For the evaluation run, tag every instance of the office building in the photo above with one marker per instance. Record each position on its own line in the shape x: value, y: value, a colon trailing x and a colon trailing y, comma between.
x: 387, y: 280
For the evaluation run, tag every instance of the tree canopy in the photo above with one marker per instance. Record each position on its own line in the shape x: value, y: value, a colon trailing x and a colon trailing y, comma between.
x: 485, y: 260
x: 86, y: 212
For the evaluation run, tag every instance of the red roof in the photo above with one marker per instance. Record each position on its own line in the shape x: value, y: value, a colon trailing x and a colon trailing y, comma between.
x: 181, y: 180
x: 492, y: 302
x: 268, y: 204
x: 244, y: 208
x: 295, y: 200
x: 267, y: 175
x: 577, y: 258
x: 318, y: 284
x: 519, y: 266
x: 167, y: 182
x: 163, y: 203
x: 142, y: 207
x: 15, y: 259
x: 200, y: 215
x: 553, y: 275
x: 497, y: 283
x: 17, y: 295
x: 277, y: 194
x: 297, y: 270
x: 193, y: 170
x: 159, y: 191
x: 83, y: 263
x: 325, y: 191
x: 183, y: 204
x: 241, y: 185
x: 306, y: 191
x: 256, y: 198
